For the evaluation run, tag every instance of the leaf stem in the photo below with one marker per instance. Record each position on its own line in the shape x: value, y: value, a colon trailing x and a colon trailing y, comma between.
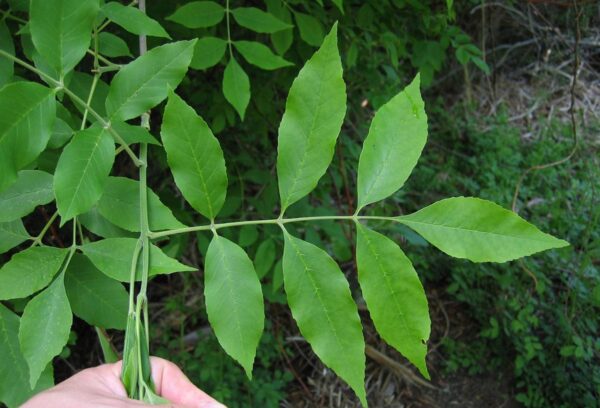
x: 38, y: 239
x: 227, y: 13
x: 278, y: 221
x: 76, y: 99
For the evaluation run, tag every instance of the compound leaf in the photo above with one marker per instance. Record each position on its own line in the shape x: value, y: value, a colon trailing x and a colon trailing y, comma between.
x: 29, y: 271
x: 234, y: 301
x: 394, y: 295
x: 313, y: 117
x: 260, y: 55
x: 392, y: 148
x: 14, y: 372
x: 133, y: 20
x: 94, y: 297
x: 195, y: 157
x: 61, y: 30
x: 45, y: 327
x: 32, y: 188
x: 26, y: 123
x: 113, y: 257
x: 198, y: 14
x: 478, y: 230
x: 236, y: 87
x: 145, y: 82
x: 120, y: 204
x: 258, y: 20
x: 322, y: 305
x: 82, y: 171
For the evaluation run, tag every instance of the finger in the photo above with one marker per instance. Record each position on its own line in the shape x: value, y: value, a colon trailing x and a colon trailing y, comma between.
x: 173, y: 385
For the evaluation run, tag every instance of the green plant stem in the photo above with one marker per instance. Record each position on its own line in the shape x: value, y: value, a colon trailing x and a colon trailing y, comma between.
x: 227, y: 13
x: 38, y: 239
x: 277, y: 221
x: 76, y: 99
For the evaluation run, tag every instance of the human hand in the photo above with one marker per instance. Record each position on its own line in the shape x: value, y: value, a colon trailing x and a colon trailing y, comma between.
x: 102, y: 387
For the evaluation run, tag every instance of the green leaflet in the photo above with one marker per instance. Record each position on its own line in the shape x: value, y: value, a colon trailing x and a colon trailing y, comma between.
x: 109, y: 354
x: 81, y: 83
x: 61, y: 30
x: 7, y: 66
x: 120, y: 204
x: 208, y: 52
x: 96, y: 223
x: 45, y: 327
x: 265, y: 257
x: 313, y: 117
x: 12, y: 234
x: 391, y: 150
x: 198, y: 14
x: 133, y: 20
x: 478, y: 230
x: 339, y: 4
x: 311, y: 30
x: 234, y: 301
x: 61, y: 134
x: 236, y: 86
x: 26, y: 122
x: 14, y: 372
x: 258, y: 20
x: 82, y: 171
x: 32, y: 188
x: 394, y: 295
x: 112, y: 46
x: 29, y: 271
x: 113, y: 257
x: 195, y: 157
x: 134, y: 134
x: 322, y: 305
x: 282, y: 40
x: 94, y: 297
x: 260, y: 55
x: 144, y: 83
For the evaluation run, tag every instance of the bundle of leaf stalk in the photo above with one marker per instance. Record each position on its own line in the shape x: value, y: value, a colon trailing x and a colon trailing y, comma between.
x: 317, y: 291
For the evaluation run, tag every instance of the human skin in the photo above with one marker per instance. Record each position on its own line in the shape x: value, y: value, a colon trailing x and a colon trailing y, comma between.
x: 101, y: 386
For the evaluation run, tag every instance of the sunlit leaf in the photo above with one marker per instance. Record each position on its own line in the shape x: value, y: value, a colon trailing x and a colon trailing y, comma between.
x: 32, y: 188
x: 236, y: 87
x: 133, y: 20
x: 208, y: 52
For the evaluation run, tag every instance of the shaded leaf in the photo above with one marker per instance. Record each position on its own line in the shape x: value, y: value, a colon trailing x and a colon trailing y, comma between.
x: 322, y: 305
x: 392, y: 148
x: 313, y: 117
x: 145, y: 82
x: 265, y: 257
x: 81, y: 84
x: 7, y: 66
x: 112, y: 46
x: 134, y: 134
x: 258, y: 20
x: 260, y: 55
x: 32, y: 188
x: 234, y: 301
x: 394, y: 295
x: 198, y: 14
x: 311, y: 30
x: 96, y: 223
x: 82, y: 171
x: 478, y: 230
x: 208, y: 52
x: 236, y: 87
x: 195, y: 157
x: 133, y: 20
x: 12, y: 233
x: 29, y: 271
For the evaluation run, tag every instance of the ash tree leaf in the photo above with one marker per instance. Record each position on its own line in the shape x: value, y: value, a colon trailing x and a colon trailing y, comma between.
x: 82, y: 171
x: 61, y: 30
x: 282, y: 40
x: 12, y: 233
x: 265, y: 257
x: 339, y: 4
x: 258, y: 20
x: 478, y: 230
x: 14, y: 372
x: 26, y: 123
x: 311, y: 30
x: 112, y: 46
x: 120, y: 204
x: 393, y: 146
x: 394, y: 295
x: 94, y: 222
x: 145, y: 82
x: 81, y: 84
x: 7, y: 66
x: 198, y: 14
x: 133, y: 20
x: 208, y: 52
x: 236, y: 87
x: 29, y: 271
x: 94, y: 297
x: 312, y: 120
x: 234, y: 301
x: 61, y: 134
x: 195, y: 157
x: 32, y: 188
x: 45, y: 327
x: 322, y: 305
x: 112, y: 256
x: 134, y: 134
x: 260, y: 55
